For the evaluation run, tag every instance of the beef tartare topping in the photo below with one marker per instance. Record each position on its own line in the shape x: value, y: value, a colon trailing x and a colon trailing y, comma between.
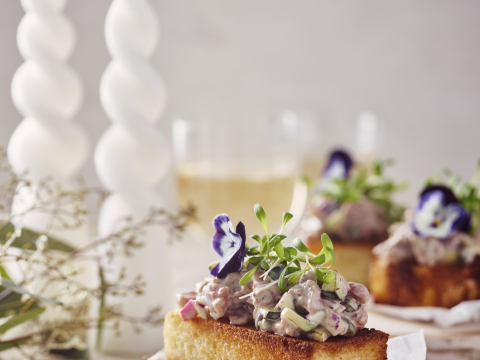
x: 352, y: 202
x: 349, y: 221
x: 315, y: 309
x: 439, y: 230
x: 278, y: 294
x: 406, y: 245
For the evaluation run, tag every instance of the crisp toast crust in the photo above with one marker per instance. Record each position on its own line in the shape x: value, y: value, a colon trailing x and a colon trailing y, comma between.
x: 353, y: 258
x: 200, y: 339
x: 411, y: 284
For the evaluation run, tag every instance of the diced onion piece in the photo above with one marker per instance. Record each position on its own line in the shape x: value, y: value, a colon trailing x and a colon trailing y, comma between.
x: 319, y: 334
x: 200, y: 310
x: 189, y: 311
x: 302, y: 323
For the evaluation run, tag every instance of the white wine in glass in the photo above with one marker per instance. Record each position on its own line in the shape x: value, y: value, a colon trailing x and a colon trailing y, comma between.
x: 227, y: 168
x: 235, y: 193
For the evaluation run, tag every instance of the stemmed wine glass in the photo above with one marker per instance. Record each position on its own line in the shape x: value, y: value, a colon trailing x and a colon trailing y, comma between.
x: 228, y: 165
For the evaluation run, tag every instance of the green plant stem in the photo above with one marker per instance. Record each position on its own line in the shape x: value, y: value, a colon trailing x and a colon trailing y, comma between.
x: 101, y: 307
x: 5, y: 345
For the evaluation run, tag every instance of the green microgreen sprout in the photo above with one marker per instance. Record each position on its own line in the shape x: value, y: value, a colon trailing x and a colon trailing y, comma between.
x: 271, y: 253
x: 367, y: 181
x: 261, y: 216
x: 286, y: 218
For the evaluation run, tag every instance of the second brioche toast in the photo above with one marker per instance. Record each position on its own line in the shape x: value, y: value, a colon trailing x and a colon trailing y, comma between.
x: 353, y: 258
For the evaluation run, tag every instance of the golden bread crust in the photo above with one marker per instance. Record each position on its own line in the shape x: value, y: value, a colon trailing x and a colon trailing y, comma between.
x: 200, y: 339
x: 353, y: 259
x: 412, y: 284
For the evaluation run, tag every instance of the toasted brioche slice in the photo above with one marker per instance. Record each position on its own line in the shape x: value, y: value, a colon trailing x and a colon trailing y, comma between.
x: 353, y: 259
x: 200, y: 339
x: 411, y: 284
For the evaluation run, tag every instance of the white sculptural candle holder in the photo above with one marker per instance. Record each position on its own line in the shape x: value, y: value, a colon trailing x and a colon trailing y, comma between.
x: 131, y: 158
x: 47, y: 143
x: 48, y: 93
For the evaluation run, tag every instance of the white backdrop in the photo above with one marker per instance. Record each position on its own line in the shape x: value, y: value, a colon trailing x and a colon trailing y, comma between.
x: 415, y: 62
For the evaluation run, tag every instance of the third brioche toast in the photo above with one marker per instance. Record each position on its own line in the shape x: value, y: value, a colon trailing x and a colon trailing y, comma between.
x: 412, y: 284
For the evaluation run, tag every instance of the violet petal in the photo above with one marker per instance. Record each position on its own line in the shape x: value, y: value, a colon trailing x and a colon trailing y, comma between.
x: 439, y: 213
x: 223, y: 226
x: 338, y: 165
x: 229, y: 245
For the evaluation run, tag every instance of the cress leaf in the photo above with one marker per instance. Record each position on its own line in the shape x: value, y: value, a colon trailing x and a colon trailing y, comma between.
x: 251, y: 251
x: 281, y: 281
x: 295, y: 277
x: 320, y: 276
x: 327, y: 246
x: 318, y: 260
x: 255, y: 260
x: 300, y: 246
x: 264, y: 264
x: 248, y: 276
x: 332, y: 253
x: 256, y: 238
x: 264, y: 245
x: 329, y: 277
x: 326, y: 242
x: 293, y: 269
x: 287, y: 255
x: 261, y: 216
x: 286, y: 218
x: 277, y: 239
x: 280, y: 250
x: 292, y: 251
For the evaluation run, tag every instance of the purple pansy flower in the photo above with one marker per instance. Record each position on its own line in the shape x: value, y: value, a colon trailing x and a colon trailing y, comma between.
x: 338, y: 166
x: 439, y: 213
x: 229, y: 244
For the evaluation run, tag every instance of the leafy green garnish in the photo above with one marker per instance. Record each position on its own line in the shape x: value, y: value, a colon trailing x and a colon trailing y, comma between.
x: 282, y: 285
x: 286, y: 218
x: 279, y: 250
x: 329, y: 277
x: 370, y: 182
x: 261, y: 216
x: 272, y: 253
x: 299, y: 245
x: 468, y: 193
x: 248, y: 276
x: 320, y: 276
x: 295, y: 277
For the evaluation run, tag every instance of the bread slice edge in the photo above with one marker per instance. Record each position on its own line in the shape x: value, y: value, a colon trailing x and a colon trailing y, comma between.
x: 200, y: 339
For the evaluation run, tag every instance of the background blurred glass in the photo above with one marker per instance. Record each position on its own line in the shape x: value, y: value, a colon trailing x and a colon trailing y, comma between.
x: 355, y: 129
x: 228, y: 166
